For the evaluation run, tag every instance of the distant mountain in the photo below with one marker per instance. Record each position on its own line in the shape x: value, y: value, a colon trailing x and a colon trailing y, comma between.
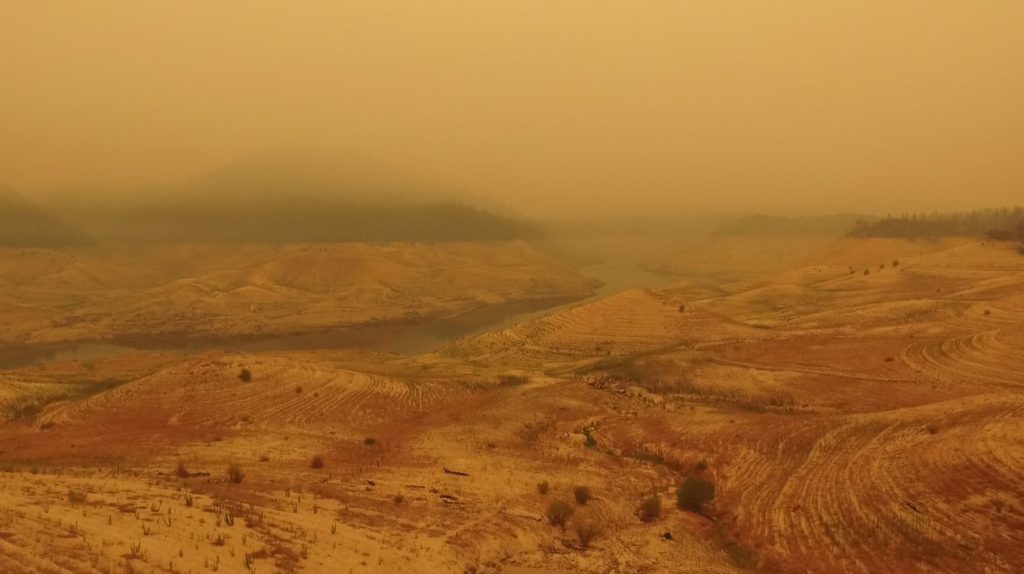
x: 24, y: 224
x: 291, y: 197
x: 312, y: 174
x: 773, y: 226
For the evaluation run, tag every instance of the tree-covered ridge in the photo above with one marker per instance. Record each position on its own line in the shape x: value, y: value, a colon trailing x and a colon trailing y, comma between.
x: 316, y: 221
x: 23, y: 224
x: 1000, y: 223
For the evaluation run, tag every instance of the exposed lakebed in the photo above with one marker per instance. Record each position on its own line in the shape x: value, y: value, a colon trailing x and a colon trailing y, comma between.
x: 405, y: 338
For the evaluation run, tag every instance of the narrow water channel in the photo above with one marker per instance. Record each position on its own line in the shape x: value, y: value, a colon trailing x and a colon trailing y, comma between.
x: 404, y: 338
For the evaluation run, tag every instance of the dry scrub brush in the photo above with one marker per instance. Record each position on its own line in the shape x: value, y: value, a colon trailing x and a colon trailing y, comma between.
x: 559, y: 512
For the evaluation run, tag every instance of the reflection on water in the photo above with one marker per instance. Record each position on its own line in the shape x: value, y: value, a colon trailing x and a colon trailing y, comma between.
x: 405, y: 338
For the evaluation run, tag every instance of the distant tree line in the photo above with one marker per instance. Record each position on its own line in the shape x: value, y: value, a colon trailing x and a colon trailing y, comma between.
x: 1003, y: 224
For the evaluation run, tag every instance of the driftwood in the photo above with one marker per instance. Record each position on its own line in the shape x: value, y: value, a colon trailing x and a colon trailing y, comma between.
x: 455, y: 472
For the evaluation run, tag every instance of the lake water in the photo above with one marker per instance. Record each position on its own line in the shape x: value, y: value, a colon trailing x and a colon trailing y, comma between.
x: 405, y: 338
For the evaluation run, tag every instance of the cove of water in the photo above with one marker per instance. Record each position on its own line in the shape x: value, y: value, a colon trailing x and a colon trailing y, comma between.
x: 404, y: 338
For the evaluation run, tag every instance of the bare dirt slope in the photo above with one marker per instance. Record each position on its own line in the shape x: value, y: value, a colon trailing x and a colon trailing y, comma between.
x: 850, y: 422
x: 208, y: 291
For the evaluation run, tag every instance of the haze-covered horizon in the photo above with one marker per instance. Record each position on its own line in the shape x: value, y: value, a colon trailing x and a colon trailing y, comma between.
x: 561, y: 109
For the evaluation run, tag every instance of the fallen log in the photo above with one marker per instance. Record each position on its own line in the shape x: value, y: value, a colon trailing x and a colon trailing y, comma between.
x: 455, y: 472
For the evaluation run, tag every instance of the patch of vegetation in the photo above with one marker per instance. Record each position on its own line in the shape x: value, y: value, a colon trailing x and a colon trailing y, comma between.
x: 317, y: 461
x: 582, y: 494
x: 587, y: 529
x: 543, y: 487
x: 694, y: 493
x: 650, y: 509
x: 369, y: 441
x: 181, y: 471
x: 559, y: 512
x: 742, y: 556
x: 512, y: 380
x: 29, y: 406
x: 235, y: 473
x: 398, y: 499
x: 590, y: 441
x: 1001, y: 224
x: 645, y: 455
x: 245, y: 375
x: 76, y: 496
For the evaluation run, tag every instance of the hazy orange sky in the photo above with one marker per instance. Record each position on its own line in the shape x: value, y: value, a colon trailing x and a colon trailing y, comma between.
x: 557, y: 105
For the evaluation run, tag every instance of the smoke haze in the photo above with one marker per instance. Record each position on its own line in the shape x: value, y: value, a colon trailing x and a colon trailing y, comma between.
x: 556, y: 108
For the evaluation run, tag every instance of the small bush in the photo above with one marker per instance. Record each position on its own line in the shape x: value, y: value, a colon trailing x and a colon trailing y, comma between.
x: 701, y: 465
x: 559, y: 512
x: 77, y: 496
x: 542, y: 487
x: 587, y: 529
x: 650, y: 509
x: 369, y: 441
x: 245, y: 376
x: 47, y: 425
x: 398, y: 498
x: 298, y: 389
x: 512, y: 380
x: 181, y: 471
x: 317, y: 462
x: 582, y: 494
x: 590, y: 442
x: 932, y: 428
x: 235, y: 473
x: 742, y: 556
x: 694, y: 493
x: 264, y: 458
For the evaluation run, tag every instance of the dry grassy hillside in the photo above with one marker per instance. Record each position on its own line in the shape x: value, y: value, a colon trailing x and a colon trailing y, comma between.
x: 850, y: 422
x: 207, y: 291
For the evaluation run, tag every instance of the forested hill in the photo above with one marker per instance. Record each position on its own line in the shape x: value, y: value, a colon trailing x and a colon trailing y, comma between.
x: 1002, y: 224
x: 24, y: 224
x: 290, y: 197
x: 769, y: 225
